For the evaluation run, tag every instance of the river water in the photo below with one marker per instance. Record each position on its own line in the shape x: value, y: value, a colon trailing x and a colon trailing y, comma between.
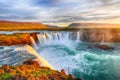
x: 61, y: 51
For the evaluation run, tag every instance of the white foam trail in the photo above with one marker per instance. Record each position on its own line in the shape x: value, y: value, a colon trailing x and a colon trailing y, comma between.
x: 42, y: 61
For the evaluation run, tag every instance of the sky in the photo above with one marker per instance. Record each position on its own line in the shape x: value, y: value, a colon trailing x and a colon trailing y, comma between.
x: 60, y: 12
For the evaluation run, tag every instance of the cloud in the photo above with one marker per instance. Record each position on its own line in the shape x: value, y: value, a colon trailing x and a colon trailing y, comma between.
x: 59, y: 11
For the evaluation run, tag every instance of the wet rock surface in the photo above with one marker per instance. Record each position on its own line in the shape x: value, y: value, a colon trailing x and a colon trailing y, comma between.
x: 102, y: 47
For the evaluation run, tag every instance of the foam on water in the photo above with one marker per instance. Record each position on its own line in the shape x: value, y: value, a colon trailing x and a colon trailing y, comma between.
x: 64, y: 50
x: 77, y: 59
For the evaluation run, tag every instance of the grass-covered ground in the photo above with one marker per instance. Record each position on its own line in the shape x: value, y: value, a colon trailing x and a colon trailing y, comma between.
x: 30, y: 70
x: 8, y: 25
x: 14, y: 39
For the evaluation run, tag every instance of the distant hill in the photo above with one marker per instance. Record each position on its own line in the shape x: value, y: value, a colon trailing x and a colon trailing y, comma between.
x: 9, y: 25
x: 52, y: 26
x: 93, y: 25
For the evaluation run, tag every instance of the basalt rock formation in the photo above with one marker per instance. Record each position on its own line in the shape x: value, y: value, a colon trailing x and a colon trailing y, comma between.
x: 30, y: 70
x: 100, y: 35
x: 102, y: 47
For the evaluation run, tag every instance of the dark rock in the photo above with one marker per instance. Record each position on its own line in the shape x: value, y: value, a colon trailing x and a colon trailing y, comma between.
x: 101, y: 46
x: 71, y: 76
x: 105, y: 47
x: 78, y: 79
x: 63, y: 71
x: 31, y: 62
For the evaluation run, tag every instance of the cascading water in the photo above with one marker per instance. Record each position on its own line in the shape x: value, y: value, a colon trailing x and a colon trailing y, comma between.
x: 13, y: 55
x: 58, y: 36
x: 103, y: 37
x: 78, y: 36
x: 42, y: 61
x: 64, y: 50
x: 33, y: 42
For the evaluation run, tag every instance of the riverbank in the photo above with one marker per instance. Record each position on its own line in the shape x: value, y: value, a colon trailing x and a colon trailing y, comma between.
x: 16, y: 39
x: 85, y: 35
x: 31, y: 70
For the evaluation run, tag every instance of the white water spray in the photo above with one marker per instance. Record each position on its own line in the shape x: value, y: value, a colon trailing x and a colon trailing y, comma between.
x: 103, y: 36
x: 33, y: 42
x: 58, y: 36
x: 78, y: 36
x: 42, y: 61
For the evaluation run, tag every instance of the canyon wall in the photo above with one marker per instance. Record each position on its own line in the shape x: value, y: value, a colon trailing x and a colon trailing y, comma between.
x: 100, y: 35
x: 86, y: 35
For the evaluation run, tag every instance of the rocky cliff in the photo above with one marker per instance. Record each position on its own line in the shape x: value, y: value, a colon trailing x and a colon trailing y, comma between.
x: 16, y: 38
x: 86, y: 35
x: 100, y: 35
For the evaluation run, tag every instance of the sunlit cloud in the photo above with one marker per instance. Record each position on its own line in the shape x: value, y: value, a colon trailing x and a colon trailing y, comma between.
x: 60, y: 11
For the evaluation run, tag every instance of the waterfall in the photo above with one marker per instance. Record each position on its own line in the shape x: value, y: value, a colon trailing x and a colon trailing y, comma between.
x: 58, y: 36
x: 42, y: 38
x: 42, y: 61
x: 14, y: 55
x: 33, y: 42
x: 78, y: 36
x: 49, y: 37
x: 103, y: 37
